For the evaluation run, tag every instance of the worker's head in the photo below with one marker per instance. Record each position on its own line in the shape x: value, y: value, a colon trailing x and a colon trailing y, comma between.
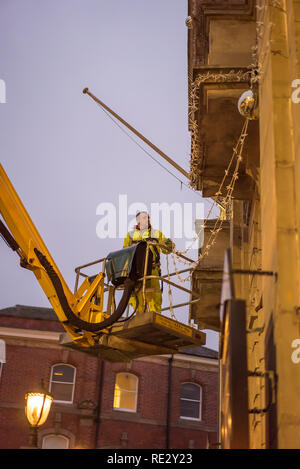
x: 143, y: 220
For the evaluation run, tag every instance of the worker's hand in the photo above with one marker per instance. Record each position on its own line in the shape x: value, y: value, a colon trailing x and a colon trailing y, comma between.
x: 169, y: 246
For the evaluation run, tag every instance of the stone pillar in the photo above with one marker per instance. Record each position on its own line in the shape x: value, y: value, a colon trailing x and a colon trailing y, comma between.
x: 279, y: 145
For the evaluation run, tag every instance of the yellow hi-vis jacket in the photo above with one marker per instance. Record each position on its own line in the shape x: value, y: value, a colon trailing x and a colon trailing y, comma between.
x: 153, y: 292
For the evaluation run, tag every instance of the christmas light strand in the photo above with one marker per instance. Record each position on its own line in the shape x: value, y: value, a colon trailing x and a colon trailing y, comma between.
x: 254, y: 75
x: 227, y: 201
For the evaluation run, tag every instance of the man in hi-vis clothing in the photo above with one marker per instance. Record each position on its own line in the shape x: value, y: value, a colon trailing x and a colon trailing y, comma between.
x: 144, y: 231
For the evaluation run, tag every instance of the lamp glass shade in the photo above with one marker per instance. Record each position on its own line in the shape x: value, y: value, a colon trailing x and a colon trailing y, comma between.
x: 37, y: 407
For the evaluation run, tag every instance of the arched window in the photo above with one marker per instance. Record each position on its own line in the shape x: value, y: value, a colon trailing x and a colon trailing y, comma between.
x: 191, y: 401
x: 2, y: 355
x: 62, y: 383
x: 125, y: 395
x: 55, y: 442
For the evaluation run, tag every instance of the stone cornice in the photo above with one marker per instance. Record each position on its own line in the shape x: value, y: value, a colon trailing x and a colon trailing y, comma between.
x: 53, y: 338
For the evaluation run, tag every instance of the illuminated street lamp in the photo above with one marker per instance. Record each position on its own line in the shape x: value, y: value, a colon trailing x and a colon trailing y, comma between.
x: 37, y: 408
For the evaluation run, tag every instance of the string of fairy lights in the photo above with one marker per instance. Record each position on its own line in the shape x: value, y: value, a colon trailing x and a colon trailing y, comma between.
x: 226, y: 200
x: 254, y: 75
x: 235, y: 161
x: 223, y: 196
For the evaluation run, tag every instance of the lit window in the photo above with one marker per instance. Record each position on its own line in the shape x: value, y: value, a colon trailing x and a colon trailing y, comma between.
x: 190, y: 402
x: 125, y: 396
x: 55, y: 442
x: 62, y: 383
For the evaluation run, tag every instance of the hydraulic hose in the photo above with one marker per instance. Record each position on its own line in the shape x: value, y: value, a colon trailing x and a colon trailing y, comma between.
x: 8, y: 238
x: 129, y: 285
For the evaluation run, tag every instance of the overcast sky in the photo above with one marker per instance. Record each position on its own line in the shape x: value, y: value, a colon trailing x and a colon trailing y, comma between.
x: 60, y: 150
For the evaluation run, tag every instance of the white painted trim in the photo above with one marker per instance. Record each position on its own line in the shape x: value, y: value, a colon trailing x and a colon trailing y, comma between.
x: 29, y: 334
x: 2, y: 352
x: 198, y: 419
x: 136, y: 392
x: 63, y: 382
x: 193, y: 358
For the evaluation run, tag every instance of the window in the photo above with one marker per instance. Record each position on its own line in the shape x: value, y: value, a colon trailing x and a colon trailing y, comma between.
x: 55, y: 442
x: 2, y: 355
x: 62, y: 383
x: 125, y: 396
x: 190, y: 402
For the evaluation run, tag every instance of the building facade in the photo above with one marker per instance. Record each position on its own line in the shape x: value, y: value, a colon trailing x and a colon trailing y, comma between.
x: 235, y: 46
x: 153, y: 402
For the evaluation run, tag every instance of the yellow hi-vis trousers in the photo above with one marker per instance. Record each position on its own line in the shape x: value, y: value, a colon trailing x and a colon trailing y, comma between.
x: 153, y: 295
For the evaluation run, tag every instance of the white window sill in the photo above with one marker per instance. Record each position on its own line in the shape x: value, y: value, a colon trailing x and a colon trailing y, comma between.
x: 191, y: 418
x: 124, y: 410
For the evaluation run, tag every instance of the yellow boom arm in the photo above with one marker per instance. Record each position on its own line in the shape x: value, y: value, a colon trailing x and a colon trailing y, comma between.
x: 80, y: 312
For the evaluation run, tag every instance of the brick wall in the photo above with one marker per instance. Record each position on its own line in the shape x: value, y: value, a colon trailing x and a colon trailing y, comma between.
x: 28, y: 359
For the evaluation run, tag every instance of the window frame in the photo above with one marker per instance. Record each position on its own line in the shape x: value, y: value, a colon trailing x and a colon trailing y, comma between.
x: 63, y: 382
x: 121, y: 409
x: 198, y: 419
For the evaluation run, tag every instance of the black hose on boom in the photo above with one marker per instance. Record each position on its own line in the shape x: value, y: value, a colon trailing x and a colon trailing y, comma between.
x: 129, y: 285
x: 8, y: 238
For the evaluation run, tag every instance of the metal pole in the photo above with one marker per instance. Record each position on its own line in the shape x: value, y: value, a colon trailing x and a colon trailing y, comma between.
x: 181, y: 304
x: 99, y: 404
x: 169, y: 404
x: 148, y: 277
x: 33, y: 437
x: 154, y: 147
x: 145, y: 274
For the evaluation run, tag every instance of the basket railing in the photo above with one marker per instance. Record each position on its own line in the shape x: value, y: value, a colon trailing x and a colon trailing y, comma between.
x: 194, y: 297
